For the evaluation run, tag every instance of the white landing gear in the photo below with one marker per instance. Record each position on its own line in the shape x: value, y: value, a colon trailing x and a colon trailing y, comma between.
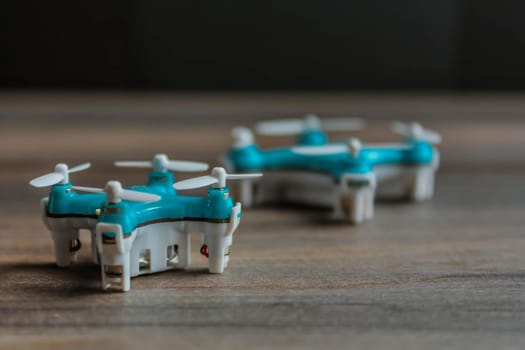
x: 65, y: 238
x: 420, y: 186
x: 218, y: 238
x: 66, y: 244
x: 115, y: 257
x: 159, y: 247
x: 420, y: 180
x: 356, y: 200
x: 149, y: 249
x: 65, y: 235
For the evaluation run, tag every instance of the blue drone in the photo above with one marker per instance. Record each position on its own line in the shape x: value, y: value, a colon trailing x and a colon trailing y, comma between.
x: 142, y: 229
x: 341, y: 175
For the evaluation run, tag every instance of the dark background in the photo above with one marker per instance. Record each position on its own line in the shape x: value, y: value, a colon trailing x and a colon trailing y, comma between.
x: 240, y: 44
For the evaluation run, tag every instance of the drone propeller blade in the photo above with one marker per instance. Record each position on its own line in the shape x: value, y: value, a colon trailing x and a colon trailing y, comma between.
x: 60, y: 175
x: 309, y: 122
x: 135, y: 196
x: 47, y: 180
x: 342, y: 124
x: 218, y: 176
x: 242, y: 176
x: 320, y: 150
x: 80, y: 167
x: 400, y: 127
x: 129, y: 195
x: 416, y: 132
x: 196, y: 182
x: 432, y: 136
x: 186, y: 166
x: 342, y: 148
x: 280, y: 127
x: 162, y: 163
x: 242, y: 137
x: 134, y: 164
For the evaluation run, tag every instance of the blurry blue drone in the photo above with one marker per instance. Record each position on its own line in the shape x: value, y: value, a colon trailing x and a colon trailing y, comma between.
x: 341, y: 175
x: 142, y: 229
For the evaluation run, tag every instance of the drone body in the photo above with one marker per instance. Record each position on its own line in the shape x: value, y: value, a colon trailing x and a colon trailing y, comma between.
x: 142, y: 229
x: 343, y: 176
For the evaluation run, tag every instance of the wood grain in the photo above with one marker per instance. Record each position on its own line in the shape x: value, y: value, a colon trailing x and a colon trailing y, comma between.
x: 449, y: 273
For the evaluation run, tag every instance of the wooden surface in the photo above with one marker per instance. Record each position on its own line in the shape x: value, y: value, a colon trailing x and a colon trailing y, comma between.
x: 449, y: 273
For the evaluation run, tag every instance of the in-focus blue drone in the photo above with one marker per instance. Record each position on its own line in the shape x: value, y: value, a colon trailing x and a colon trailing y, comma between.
x: 142, y: 229
x: 342, y: 175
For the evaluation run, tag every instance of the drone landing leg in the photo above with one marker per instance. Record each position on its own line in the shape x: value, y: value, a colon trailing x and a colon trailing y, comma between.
x: 115, y: 257
x: 369, y: 204
x: 357, y: 211
x: 64, y: 242
x: 217, y: 244
x: 116, y: 272
x: 421, y: 185
x: 216, y: 258
x: 358, y: 206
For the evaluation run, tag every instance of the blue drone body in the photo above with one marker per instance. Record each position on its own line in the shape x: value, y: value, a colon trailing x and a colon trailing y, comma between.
x: 342, y: 175
x: 251, y: 157
x: 141, y: 229
x: 215, y: 207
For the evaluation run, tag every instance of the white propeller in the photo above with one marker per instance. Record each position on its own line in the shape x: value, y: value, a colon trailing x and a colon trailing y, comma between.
x: 217, y: 178
x: 309, y: 122
x: 354, y: 146
x: 242, y: 137
x: 116, y: 193
x: 161, y: 163
x: 415, y: 131
x: 60, y: 175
